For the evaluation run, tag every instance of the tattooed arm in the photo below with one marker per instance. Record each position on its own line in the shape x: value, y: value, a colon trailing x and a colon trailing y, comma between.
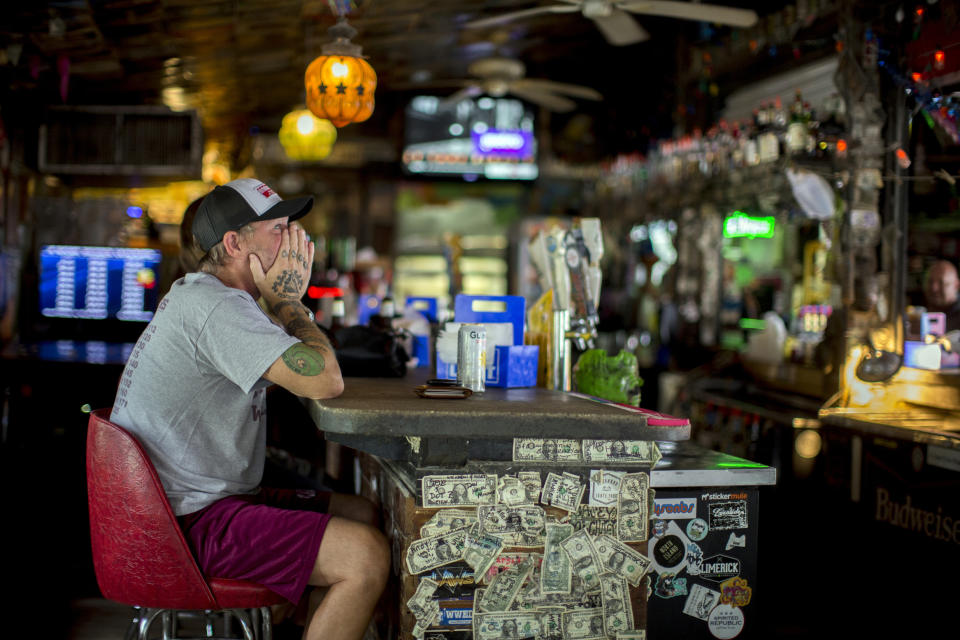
x: 308, y: 368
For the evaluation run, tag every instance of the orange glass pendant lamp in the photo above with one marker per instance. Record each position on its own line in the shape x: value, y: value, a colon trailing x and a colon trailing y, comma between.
x: 306, y: 137
x: 340, y: 83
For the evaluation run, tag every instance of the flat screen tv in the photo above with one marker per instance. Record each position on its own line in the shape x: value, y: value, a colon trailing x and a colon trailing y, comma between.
x: 98, y: 283
x: 485, y: 137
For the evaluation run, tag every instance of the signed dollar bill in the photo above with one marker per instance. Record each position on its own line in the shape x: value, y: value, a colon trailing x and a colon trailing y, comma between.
x: 562, y: 491
x: 510, y: 624
x: 504, y: 587
x: 583, y: 624
x: 633, y: 508
x: 555, y: 574
x: 428, y: 553
x: 545, y: 450
x: 503, y: 562
x: 516, y: 526
x: 459, y: 490
x: 447, y: 520
x: 595, y: 520
x: 419, y: 601
x: 531, y: 481
x: 620, y: 559
x: 584, y: 561
x: 481, y: 549
x: 511, y: 492
x: 617, y: 611
x: 644, y: 452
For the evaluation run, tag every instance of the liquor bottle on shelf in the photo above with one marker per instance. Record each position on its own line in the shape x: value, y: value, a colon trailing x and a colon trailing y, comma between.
x: 337, y: 313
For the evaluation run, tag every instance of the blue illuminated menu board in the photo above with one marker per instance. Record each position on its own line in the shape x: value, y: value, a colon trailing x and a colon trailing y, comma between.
x: 98, y: 283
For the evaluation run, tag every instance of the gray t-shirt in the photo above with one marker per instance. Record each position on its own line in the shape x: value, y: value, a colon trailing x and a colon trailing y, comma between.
x: 192, y: 391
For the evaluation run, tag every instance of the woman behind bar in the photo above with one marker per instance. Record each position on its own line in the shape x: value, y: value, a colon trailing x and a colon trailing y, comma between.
x: 193, y: 392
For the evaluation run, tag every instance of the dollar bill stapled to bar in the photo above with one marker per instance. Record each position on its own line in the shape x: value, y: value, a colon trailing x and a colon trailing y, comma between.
x: 545, y: 563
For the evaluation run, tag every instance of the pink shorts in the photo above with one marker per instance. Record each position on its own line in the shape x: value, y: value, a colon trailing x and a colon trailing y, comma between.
x: 271, y: 538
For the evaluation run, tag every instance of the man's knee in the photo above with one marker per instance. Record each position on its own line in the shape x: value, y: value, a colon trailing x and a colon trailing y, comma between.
x: 356, y: 508
x: 375, y: 561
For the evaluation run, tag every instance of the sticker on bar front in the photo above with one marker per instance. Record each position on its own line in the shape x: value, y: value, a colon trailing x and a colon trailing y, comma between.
x: 735, y: 592
x: 668, y: 553
x: 729, y: 514
x: 697, y: 529
x: 670, y: 586
x: 675, y: 508
x: 604, y: 487
x: 725, y: 622
x: 701, y: 602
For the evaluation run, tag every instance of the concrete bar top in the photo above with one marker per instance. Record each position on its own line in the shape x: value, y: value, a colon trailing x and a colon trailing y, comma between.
x: 388, y: 407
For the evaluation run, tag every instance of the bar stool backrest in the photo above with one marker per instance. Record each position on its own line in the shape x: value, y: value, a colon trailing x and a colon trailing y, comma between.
x: 140, y: 555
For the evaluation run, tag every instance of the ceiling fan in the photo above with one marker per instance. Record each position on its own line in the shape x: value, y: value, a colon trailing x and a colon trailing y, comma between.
x: 497, y: 77
x: 618, y: 26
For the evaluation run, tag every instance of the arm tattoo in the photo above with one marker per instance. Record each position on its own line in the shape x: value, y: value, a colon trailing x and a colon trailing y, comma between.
x: 308, y: 357
x: 303, y: 360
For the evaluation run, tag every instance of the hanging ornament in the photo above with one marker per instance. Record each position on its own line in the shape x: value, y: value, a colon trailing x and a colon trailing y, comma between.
x: 63, y: 68
x: 306, y: 137
x: 939, y: 58
x: 340, y: 83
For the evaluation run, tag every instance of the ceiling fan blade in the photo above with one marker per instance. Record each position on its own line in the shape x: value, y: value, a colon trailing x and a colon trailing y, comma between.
x: 454, y: 99
x: 525, y: 13
x: 542, y: 98
x: 692, y: 11
x: 426, y: 85
x: 620, y: 29
x: 575, y: 90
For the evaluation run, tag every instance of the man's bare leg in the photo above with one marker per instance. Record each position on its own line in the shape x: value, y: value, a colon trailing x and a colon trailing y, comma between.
x: 353, y: 561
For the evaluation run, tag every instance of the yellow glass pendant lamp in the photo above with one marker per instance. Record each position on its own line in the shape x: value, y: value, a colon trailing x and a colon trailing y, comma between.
x: 306, y: 137
x: 340, y: 84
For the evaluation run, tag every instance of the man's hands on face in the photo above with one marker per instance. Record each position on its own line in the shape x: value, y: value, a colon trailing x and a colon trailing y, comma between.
x: 288, y: 277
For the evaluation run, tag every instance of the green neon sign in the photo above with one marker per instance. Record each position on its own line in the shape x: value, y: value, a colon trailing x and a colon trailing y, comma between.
x: 740, y: 225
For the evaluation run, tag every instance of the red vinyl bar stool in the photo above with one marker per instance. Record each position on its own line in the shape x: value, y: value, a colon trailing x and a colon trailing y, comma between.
x: 140, y: 555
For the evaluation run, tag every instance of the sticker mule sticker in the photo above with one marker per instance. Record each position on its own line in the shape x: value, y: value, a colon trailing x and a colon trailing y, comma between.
x: 670, y: 586
x: 736, y: 541
x: 719, y: 567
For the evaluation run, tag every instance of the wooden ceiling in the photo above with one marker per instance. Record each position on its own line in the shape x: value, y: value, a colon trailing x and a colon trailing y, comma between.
x: 240, y: 63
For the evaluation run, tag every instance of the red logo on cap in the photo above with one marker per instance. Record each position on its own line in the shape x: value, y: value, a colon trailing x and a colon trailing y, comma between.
x: 264, y: 190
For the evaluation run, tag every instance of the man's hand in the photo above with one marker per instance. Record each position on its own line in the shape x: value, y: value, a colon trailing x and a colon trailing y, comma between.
x: 288, y: 277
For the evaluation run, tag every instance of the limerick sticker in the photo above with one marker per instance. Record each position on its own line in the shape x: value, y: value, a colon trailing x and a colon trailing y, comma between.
x: 719, y: 567
x: 701, y: 602
x: 697, y: 529
x: 725, y: 621
x: 735, y: 592
x: 728, y: 515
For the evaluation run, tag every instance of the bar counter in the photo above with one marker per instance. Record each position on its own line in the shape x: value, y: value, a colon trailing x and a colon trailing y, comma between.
x: 703, y: 503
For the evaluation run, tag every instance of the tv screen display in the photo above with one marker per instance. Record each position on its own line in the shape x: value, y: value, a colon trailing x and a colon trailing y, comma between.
x: 483, y: 137
x: 98, y: 283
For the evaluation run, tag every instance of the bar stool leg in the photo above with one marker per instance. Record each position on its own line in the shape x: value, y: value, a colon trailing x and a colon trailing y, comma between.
x: 134, y: 624
x: 208, y: 622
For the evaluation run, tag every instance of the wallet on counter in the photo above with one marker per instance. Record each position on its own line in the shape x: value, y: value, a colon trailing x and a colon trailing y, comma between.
x: 447, y: 389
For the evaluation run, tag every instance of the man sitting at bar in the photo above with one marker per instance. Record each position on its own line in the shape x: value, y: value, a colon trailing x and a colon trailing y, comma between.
x: 942, y: 290
x: 193, y: 392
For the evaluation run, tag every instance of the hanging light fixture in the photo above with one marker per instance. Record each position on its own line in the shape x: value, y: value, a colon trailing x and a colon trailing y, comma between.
x: 306, y: 137
x: 340, y: 83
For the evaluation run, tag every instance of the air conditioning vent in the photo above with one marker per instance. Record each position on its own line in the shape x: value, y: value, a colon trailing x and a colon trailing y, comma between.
x: 146, y: 141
